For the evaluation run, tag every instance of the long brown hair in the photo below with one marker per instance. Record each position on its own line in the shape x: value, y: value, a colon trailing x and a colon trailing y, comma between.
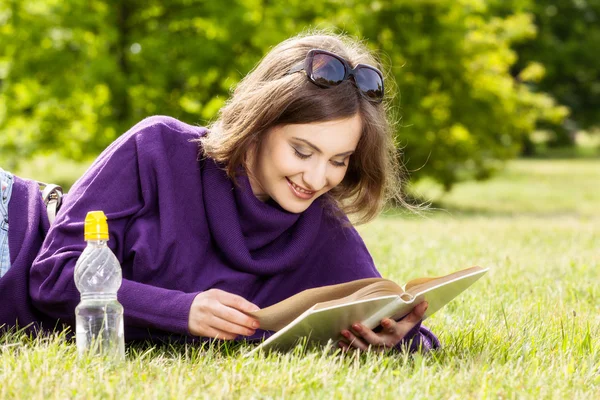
x: 269, y: 97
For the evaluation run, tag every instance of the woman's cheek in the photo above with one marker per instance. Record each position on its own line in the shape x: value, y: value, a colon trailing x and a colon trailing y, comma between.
x: 339, y: 176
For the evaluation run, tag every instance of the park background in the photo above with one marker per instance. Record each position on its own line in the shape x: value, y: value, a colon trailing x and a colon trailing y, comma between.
x: 496, y: 104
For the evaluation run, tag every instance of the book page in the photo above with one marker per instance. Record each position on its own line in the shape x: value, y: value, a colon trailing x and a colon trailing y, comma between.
x: 380, y: 288
x: 420, y: 284
x: 275, y: 317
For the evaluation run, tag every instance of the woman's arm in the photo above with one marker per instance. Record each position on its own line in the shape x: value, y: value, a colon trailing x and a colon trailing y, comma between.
x: 147, y: 184
x: 118, y: 184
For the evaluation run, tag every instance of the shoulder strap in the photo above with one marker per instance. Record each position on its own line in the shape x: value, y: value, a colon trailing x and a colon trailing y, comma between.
x: 52, y: 196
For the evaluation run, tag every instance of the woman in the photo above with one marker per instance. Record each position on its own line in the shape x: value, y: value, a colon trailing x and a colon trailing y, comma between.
x: 211, y: 223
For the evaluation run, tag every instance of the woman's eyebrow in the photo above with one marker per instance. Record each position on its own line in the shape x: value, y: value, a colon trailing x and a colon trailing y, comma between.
x: 315, y: 148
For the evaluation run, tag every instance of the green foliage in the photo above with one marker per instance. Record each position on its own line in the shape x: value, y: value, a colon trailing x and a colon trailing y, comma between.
x: 566, y: 45
x: 74, y: 75
x: 57, y: 78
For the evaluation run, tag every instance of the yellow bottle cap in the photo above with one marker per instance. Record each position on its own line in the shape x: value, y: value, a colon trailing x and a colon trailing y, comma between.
x: 96, y: 227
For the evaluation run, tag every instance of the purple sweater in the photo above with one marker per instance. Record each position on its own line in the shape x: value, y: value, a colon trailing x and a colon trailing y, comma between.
x: 179, y: 226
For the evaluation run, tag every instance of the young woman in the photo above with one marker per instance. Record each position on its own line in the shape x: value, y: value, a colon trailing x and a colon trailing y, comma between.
x: 211, y: 223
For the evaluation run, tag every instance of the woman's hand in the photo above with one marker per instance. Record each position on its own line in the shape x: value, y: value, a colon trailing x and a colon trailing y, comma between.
x: 361, y: 337
x: 219, y: 314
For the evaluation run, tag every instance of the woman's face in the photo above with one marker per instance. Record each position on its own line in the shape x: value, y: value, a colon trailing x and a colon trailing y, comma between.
x: 296, y: 164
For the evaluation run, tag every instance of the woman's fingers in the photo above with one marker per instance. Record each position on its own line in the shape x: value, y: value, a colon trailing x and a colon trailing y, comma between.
x: 234, y: 316
x: 219, y: 334
x: 215, y: 312
x: 371, y: 337
x: 393, y: 332
x: 354, y: 341
x: 232, y: 307
x: 415, y: 315
x: 407, y: 323
x: 227, y: 326
x: 235, y: 301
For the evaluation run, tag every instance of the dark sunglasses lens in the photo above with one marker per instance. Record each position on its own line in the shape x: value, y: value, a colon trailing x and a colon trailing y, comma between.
x: 370, y: 83
x: 327, y: 70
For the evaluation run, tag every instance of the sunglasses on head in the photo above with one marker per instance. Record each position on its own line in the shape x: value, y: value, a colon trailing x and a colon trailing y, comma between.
x: 326, y: 69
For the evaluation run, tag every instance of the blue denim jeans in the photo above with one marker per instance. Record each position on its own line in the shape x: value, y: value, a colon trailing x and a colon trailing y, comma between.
x: 6, y: 182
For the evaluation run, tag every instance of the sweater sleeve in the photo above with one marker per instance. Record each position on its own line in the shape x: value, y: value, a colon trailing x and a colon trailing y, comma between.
x: 117, y: 185
x: 419, y: 338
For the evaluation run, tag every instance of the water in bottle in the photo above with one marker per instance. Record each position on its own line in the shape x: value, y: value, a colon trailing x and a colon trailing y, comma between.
x: 99, y: 316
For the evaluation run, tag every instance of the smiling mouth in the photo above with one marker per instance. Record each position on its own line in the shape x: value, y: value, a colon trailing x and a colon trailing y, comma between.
x: 300, y: 191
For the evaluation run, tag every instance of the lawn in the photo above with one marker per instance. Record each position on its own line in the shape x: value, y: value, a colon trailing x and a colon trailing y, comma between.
x: 529, y: 329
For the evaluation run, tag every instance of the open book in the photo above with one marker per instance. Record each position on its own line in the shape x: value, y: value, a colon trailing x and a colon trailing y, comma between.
x: 320, y: 314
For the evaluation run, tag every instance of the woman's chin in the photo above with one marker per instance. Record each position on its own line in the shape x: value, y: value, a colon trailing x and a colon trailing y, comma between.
x: 295, y: 206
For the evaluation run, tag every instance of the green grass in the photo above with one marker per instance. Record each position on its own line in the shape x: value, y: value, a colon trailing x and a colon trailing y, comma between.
x: 529, y: 329
x: 538, y: 188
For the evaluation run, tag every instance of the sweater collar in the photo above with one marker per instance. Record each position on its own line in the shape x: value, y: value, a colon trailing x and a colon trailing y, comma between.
x: 254, y: 236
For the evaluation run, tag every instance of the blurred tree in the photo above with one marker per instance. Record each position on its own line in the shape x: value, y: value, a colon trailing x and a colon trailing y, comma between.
x: 55, y: 65
x: 568, y: 33
x: 74, y: 75
x: 77, y: 74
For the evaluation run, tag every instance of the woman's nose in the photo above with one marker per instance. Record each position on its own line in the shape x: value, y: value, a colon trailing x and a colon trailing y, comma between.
x: 315, y: 178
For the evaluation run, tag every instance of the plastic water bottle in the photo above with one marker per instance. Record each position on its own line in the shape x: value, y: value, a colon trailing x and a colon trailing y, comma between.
x: 99, y: 316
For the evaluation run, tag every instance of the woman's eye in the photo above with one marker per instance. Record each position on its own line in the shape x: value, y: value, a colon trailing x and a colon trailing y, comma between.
x: 338, y: 163
x: 305, y: 156
x: 301, y: 155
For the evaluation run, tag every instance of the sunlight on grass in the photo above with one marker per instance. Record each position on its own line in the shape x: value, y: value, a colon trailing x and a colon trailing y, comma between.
x: 529, y: 329
x: 535, y: 187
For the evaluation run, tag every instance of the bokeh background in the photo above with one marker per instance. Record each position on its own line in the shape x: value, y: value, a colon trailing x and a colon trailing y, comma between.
x: 478, y: 82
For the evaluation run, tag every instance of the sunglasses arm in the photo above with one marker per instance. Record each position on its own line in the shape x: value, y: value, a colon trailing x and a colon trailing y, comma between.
x: 296, y: 68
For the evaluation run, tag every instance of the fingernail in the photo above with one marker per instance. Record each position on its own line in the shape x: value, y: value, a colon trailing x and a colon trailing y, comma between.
x: 385, y: 323
x: 345, y: 334
x: 357, y: 327
x: 255, y: 324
